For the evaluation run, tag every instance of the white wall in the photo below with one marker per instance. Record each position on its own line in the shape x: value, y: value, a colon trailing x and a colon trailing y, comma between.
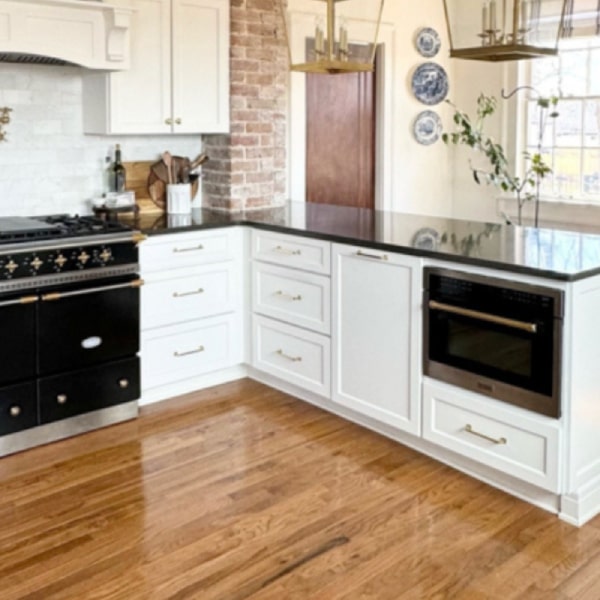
x: 47, y: 164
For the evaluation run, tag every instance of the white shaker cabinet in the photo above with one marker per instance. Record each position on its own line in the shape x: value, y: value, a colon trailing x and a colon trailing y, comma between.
x: 376, y: 334
x: 179, y: 76
x: 191, y: 309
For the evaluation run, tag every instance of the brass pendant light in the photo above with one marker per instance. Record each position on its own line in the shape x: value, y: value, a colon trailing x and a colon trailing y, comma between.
x: 341, y: 54
x: 501, y: 30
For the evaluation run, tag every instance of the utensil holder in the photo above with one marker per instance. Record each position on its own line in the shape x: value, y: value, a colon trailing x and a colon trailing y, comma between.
x: 179, y: 198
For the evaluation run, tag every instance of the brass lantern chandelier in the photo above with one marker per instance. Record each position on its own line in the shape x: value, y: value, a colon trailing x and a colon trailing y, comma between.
x: 339, y: 44
x: 501, y: 30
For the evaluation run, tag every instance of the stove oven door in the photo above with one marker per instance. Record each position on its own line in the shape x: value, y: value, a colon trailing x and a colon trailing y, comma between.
x: 17, y: 324
x: 89, y: 324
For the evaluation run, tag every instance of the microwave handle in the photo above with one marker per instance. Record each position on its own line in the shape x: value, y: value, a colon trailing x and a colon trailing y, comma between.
x: 475, y: 314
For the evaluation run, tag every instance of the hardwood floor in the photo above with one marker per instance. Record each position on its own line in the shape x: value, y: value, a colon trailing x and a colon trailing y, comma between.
x: 241, y: 492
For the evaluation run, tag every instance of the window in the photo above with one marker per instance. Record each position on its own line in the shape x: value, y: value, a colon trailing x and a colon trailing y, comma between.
x: 571, y: 142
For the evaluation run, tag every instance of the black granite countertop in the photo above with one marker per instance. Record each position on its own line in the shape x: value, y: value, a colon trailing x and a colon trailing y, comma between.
x: 548, y: 253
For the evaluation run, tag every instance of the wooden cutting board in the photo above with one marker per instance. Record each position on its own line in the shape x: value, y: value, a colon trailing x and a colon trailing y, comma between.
x: 137, y: 180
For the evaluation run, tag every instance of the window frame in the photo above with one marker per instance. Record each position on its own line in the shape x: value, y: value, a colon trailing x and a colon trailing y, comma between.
x: 525, y: 77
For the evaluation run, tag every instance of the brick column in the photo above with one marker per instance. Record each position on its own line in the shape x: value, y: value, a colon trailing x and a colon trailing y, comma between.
x: 247, y: 168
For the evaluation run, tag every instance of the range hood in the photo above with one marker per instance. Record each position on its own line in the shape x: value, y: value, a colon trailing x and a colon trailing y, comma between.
x: 90, y: 33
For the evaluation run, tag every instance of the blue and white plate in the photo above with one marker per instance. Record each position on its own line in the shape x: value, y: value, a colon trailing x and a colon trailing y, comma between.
x: 430, y: 83
x: 428, y: 42
x: 427, y: 127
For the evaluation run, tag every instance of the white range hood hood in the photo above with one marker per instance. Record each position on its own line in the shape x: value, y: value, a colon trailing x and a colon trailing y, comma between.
x: 90, y: 33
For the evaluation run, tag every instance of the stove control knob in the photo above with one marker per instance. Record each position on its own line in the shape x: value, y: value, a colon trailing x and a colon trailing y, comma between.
x: 60, y: 261
x: 14, y: 410
x: 36, y: 263
x: 105, y: 255
x: 61, y: 398
x: 83, y: 257
x: 11, y: 266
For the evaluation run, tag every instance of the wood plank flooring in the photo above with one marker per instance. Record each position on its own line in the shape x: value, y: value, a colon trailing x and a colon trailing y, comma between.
x: 241, y: 492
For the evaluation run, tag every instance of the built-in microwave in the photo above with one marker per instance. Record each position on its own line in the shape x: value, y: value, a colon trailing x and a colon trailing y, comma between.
x: 496, y: 337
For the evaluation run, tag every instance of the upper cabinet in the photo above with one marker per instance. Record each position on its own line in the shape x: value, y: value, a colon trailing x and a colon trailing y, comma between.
x: 179, y: 76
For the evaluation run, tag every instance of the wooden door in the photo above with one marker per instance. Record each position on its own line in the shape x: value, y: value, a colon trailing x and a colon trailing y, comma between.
x: 340, y: 144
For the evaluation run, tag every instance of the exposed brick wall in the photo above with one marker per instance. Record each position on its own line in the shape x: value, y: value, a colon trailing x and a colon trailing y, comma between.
x: 247, y: 169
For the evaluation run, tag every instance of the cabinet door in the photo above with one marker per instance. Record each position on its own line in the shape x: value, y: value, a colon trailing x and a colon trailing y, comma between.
x: 137, y: 100
x: 200, y: 66
x: 376, y: 333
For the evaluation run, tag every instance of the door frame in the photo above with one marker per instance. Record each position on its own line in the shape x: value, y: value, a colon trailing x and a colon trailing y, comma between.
x: 301, y: 25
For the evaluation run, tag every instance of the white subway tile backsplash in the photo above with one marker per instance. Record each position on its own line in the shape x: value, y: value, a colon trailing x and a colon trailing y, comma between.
x: 47, y: 164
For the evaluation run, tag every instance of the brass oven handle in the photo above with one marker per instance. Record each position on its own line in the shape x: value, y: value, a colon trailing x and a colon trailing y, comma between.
x: 475, y: 314
x: 193, y: 249
x: 184, y: 294
x: 282, y: 250
x: 58, y: 295
x: 290, y: 358
x: 375, y: 256
x: 282, y: 294
x: 23, y: 300
x: 499, y: 441
x: 196, y: 351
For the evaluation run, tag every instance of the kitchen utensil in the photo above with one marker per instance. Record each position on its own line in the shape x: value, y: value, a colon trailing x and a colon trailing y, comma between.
x: 199, y: 160
x: 168, y: 160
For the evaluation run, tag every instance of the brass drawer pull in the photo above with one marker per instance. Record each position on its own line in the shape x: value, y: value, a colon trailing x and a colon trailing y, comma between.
x: 475, y: 314
x: 184, y: 294
x: 288, y: 296
x: 375, y: 256
x: 61, y: 398
x: 193, y: 249
x: 290, y: 358
x: 287, y: 251
x: 196, y: 351
x: 498, y: 441
x: 123, y: 383
x: 14, y: 410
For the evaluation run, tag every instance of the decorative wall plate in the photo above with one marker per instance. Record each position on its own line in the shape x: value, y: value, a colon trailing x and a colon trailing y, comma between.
x: 428, y: 42
x: 427, y: 127
x: 430, y: 83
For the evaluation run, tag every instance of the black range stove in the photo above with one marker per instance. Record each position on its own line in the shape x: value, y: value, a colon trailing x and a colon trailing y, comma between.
x: 37, y: 247
x: 69, y: 315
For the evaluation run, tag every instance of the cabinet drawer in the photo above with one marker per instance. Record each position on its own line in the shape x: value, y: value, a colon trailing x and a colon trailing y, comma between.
x: 292, y: 354
x: 506, y: 439
x: 292, y: 251
x: 18, y: 408
x: 290, y: 295
x: 188, y: 249
x: 193, y: 295
x: 174, y: 353
x: 78, y: 392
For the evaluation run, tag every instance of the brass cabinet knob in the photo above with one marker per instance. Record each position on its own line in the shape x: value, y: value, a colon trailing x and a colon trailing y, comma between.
x: 61, y: 398
x: 123, y: 383
x: 14, y: 411
x: 168, y: 121
x: 177, y: 121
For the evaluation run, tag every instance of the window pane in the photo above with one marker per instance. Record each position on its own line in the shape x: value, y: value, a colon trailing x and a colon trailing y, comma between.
x: 591, y: 172
x: 544, y: 76
x: 568, y: 123
x: 573, y: 81
x: 591, y: 126
x: 533, y: 126
x: 566, y: 172
x: 594, y: 70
